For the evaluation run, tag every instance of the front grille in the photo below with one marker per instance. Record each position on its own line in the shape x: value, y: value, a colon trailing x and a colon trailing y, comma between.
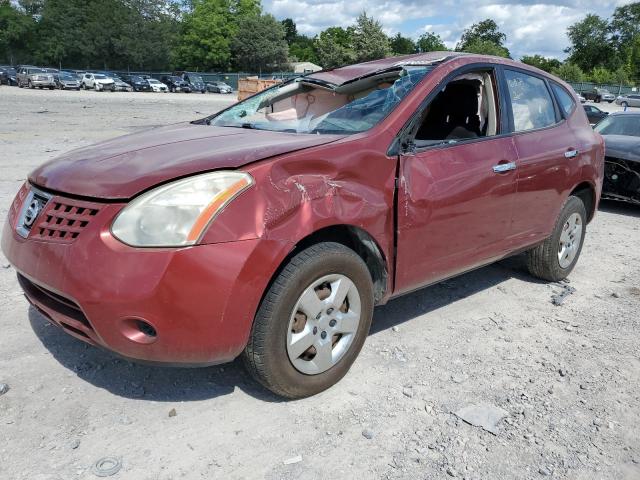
x: 63, y: 220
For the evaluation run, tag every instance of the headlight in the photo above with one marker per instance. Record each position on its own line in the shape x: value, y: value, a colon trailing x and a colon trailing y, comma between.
x: 177, y: 214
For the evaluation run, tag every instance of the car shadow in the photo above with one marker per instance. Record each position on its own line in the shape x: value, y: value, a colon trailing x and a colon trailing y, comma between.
x: 133, y: 380
x: 620, y: 208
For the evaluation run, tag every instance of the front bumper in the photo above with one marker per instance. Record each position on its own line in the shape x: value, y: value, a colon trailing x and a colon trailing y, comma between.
x: 199, y: 301
x: 43, y: 83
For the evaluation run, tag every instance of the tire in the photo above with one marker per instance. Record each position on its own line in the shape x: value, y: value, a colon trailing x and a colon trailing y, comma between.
x: 544, y: 260
x: 266, y: 355
x: 30, y: 85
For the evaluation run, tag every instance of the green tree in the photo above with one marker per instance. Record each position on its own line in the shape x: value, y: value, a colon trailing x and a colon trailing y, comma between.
x: 17, y: 31
x: 430, y: 42
x: 591, y: 45
x: 302, y: 49
x: 569, y: 72
x: 543, y: 63
x: 601, y: 75
x: 625, y: 23
x: 486, y: 47
x: 369, y: 41
x: 207, y: 32
x: 290, y: 30
x: 633, y: 59
x: 480, y: 35
x: 402, y: 45
x: 334, y: 47
x: 260, y: 44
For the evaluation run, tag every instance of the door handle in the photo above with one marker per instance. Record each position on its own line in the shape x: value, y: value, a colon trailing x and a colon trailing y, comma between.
x: 504, y: 167
x: 571, y: 153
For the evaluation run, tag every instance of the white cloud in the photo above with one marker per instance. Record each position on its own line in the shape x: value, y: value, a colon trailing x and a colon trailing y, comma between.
x: 537, y: 26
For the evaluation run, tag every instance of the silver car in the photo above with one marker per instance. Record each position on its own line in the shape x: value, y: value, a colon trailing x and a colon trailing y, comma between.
x: 629, y: 100
x: 32, y: 77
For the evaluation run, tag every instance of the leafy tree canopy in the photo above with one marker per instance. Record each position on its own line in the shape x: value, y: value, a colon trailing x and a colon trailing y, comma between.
x: 402, y: 45
x: 260, y: 44
x: 369, y: 41
x: 430, y: 42
x: 543, y: 63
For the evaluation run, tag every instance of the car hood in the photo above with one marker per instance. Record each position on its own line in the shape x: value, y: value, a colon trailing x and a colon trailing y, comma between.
x: 103, y: 80
x: 624, y: 147
x: 125, y: 166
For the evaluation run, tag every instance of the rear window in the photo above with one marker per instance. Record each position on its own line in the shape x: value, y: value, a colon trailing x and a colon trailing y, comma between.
x: 531, y: 101
x: 564, y: 99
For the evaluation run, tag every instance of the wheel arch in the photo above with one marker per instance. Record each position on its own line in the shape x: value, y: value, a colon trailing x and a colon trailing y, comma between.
x: 355, y: 238
x: 586, y: 192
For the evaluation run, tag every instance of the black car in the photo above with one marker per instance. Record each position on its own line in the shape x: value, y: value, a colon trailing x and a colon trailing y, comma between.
x: 219, y: 87
x: 66, y: 80
x: 137, y: 82
x: 621, y: 132
x: 194, y: 80
x: 8, y: 76
x: 176, y: 83
x: 594, y: 114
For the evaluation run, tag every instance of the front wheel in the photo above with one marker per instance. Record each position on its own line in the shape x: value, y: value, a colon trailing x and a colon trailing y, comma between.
x: 312, y: 322
x: 554, y: 259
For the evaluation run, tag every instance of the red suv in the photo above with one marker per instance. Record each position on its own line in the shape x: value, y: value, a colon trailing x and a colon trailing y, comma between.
x: 271, y: 229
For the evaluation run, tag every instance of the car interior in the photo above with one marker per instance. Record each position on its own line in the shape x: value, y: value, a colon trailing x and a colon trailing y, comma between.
x: 464, y: 109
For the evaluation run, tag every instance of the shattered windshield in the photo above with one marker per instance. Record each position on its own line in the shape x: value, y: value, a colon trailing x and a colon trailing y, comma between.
x: 306, y: 106
x: 628, y: 125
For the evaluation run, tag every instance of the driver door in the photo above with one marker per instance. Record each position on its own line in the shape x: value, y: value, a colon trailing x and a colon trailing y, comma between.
x: 454, y: 203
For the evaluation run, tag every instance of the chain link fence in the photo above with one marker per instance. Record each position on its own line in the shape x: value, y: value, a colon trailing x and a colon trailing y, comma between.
x: 614, y: 89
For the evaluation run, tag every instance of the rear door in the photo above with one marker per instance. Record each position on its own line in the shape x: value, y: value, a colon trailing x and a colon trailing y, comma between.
x: 454, y: 202
x: 548, y: 154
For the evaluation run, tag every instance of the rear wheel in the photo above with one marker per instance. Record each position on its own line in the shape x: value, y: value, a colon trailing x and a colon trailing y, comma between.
x: 312, y: 322
x: 624, y: 104
x: 555, y: 258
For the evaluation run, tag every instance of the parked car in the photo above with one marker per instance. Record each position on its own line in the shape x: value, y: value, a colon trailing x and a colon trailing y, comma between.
x: 219, y: 87
x: 581, y: 98
x: 621, y: 132
x: 98, y: 82
x: 33, y: 77
x: 629, y: 100
x: 272, y: 228
x: 8, y: 76
x: 138, y: 83
x: 195, y: 81
x: 66, y: 81
x: 599, y: 95
x: 594, y: 114
x: 119, y: 84
x: 157, y: 85
x: 175, y: 83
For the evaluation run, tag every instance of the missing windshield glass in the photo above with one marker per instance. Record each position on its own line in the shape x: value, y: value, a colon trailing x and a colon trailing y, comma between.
x: 304, y: 106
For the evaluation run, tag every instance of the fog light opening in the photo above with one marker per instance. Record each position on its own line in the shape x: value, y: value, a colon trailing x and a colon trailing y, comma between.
x: 146, y: 328
x: 138, y: 330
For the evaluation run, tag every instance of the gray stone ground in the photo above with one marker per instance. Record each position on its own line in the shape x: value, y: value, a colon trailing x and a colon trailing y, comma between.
x: 566, y: 376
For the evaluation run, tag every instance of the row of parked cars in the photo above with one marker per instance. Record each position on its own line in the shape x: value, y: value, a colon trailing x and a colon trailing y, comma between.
x: 598, y: 95
x: 27, y: 76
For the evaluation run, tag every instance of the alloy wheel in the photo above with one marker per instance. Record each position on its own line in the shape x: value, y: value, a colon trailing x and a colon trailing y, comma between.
x: 570, y: 240
x: 323, y: 324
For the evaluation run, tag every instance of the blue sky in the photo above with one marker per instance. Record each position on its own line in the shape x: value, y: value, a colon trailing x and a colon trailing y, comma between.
x: 531, y: 26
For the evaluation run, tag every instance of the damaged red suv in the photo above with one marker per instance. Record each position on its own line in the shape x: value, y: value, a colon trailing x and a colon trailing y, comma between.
x: 271, y: 229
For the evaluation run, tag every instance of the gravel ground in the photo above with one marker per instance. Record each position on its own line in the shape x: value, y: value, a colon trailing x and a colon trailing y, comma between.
x: 560, y: 384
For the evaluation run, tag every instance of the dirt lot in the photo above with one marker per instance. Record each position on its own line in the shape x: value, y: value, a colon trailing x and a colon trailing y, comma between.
x: 567, y: 377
